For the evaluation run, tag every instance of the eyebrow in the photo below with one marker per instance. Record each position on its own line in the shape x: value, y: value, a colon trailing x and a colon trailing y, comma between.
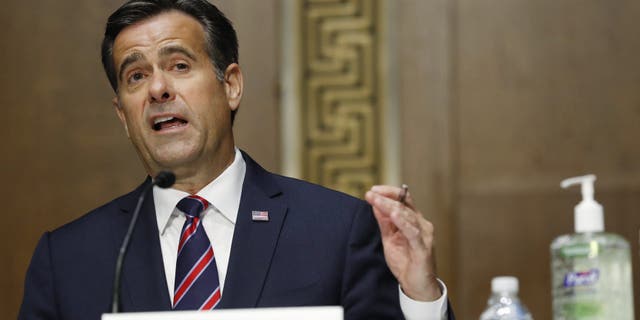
x: 169, y: 50
x: 130, y: 59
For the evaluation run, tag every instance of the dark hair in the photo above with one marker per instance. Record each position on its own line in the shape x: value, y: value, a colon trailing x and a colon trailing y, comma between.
x: 220, y: 37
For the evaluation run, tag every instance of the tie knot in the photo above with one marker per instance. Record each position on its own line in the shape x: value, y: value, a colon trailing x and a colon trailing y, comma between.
x: 192, y: 206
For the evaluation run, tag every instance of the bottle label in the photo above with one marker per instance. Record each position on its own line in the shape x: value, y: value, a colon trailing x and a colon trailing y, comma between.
x: 582, y: 278
x: 581, y: 250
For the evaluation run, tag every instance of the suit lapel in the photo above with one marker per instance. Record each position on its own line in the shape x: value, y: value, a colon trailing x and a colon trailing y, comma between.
x: 254, y: 242
x: 144, y: 285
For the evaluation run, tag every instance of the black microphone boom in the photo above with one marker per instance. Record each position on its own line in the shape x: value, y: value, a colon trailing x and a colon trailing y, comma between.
x: 164, y: 179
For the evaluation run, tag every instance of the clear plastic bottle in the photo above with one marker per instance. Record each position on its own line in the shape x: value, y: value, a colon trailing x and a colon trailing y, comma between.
x: 590, y: 269
x: 504, y: 303
x: 591, y: 277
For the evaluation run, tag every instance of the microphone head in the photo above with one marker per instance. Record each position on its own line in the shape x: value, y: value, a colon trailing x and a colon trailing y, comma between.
x: 164, y: 179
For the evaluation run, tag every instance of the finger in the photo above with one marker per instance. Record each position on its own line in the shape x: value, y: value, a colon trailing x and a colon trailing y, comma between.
x: 387, y: 191
x: 383, y: 208
x: 427, y: 232
x: 394, y: 193
x: 388, y: 204
x: 409, y: 227
x: 387, y: 228
x: 402, y: 218
x: 428, y: 241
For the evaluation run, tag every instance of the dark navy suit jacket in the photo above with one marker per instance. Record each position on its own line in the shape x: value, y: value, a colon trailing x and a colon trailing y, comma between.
x: 319, y: 247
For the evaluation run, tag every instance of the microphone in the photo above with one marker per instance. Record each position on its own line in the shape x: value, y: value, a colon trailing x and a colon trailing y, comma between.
x: 164, y: 179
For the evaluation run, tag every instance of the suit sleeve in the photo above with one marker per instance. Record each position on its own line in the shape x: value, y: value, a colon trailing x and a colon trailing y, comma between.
x: 369, y: 290
x: 38, y: 302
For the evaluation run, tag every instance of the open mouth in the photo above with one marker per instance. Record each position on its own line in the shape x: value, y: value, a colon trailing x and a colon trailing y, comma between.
x: 164, y: 123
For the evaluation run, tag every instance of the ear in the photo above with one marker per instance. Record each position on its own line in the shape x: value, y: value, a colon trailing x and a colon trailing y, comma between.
x: 233, y: 85
x: 121, y: 115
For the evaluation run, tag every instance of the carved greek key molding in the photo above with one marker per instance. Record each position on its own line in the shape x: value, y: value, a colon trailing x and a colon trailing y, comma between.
x: 340, y: 97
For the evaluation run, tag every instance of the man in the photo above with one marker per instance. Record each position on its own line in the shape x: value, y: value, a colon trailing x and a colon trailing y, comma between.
x: 278, y: 241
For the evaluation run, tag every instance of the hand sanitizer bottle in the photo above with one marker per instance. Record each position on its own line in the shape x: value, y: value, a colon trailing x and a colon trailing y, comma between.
x: 590, y: 269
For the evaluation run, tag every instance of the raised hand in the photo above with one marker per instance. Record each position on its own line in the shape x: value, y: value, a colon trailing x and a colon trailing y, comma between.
x: 408, y: 241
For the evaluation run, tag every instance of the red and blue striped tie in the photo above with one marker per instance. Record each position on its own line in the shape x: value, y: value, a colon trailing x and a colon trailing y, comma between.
x: 196, y: 283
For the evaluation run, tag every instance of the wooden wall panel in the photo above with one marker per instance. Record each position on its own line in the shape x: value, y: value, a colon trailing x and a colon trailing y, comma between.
x: 63, y: 151
x: 422, y: 47
x: 561, y: 79
x: 257, y: 126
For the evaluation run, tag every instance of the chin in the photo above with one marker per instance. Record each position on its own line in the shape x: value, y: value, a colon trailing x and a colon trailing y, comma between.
x: 174, y: 158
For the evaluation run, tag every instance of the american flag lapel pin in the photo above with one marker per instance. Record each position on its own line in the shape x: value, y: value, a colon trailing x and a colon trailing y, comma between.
x: 259, y: 215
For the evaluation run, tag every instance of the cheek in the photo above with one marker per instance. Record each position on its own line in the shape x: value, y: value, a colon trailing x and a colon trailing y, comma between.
x: 133, y: 124
x: 195, y: 89
x: 134, y: 108
x: 206, y: 101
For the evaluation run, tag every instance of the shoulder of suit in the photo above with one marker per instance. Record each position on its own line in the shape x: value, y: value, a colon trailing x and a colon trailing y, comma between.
x: 300, y: 189
x: 96, y: 219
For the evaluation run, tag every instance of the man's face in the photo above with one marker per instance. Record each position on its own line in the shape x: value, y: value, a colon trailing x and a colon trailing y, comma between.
x: 174, y: 109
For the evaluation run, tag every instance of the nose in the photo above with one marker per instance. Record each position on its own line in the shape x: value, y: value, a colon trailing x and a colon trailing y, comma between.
x: 160, y: 88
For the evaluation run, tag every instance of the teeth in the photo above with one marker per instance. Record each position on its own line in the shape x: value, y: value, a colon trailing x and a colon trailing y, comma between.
x: 158, y: 120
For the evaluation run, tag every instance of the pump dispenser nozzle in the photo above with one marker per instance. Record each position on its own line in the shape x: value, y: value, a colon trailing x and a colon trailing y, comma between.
x: 588, y: 214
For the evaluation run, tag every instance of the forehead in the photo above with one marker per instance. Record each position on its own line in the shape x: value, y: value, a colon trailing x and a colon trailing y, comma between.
x: 149, y: 35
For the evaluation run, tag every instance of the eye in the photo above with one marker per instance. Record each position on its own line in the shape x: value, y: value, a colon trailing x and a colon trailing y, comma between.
x: 181, y: 66
x: 135, y: 77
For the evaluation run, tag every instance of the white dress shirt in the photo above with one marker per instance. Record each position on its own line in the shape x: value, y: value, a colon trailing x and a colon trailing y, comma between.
x: 219, y: 220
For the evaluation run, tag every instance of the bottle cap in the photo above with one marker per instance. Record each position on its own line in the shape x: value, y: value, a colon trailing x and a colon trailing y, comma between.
x: 588, y: 214
x: 504, y: 284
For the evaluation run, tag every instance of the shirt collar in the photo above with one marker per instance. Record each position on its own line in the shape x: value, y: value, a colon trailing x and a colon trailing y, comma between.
x: 223, y: 193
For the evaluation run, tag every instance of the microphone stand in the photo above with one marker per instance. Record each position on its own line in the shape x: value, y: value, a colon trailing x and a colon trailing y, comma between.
x: 164, y: 179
